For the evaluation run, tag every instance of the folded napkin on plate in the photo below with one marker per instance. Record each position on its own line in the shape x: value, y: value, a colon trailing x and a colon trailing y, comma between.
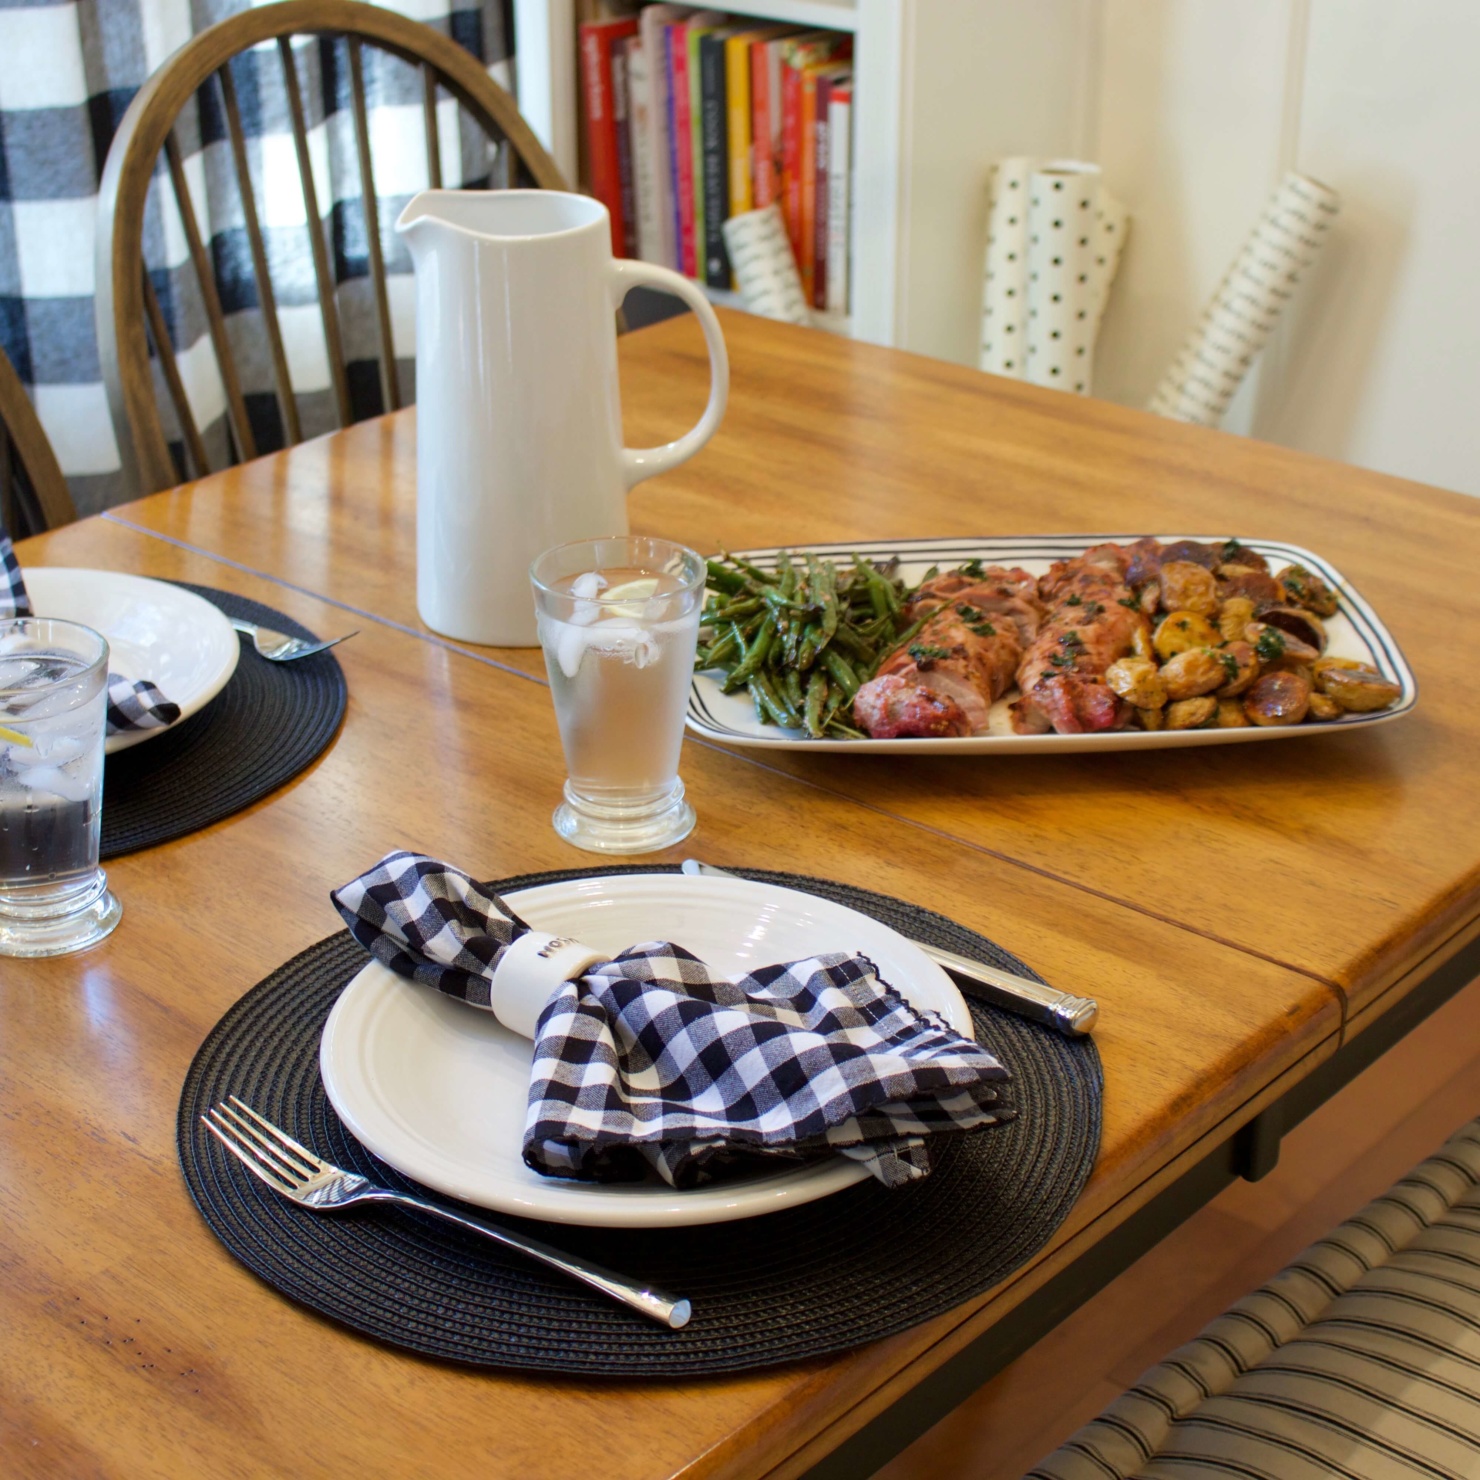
x: 133, y: 704
x: 650, y: 1059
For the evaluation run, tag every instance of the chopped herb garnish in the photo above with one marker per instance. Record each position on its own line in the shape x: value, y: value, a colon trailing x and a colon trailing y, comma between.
x: 1230, y: 665
x: 973, y: 568
x: 1271, y: 644
x: 969, y: 613
x: 983, y: 629
x: 1133, y: 602
x: 1093, y: 609
x: 1061, y: 660
x: 1071, y: 640
x: 1230, y: 549
x: 1072, y: 600
x: 925, y: 652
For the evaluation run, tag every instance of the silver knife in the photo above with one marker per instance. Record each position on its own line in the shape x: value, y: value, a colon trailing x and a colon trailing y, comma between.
x: 1072, y: 1016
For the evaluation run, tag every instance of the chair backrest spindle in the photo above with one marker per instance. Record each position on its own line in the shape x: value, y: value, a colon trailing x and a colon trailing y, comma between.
x: 323, y: 275
x: 266, y: 299
x: 129, y: 314
x: 33, y: 493
x: 429, y: 116
x: 236, y: 406
x: 164, y: 348
x: 389, y: 396
x: 12, y: 515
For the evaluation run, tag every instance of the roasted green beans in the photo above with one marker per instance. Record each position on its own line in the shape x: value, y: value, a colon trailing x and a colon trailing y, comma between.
x: 804, y: 636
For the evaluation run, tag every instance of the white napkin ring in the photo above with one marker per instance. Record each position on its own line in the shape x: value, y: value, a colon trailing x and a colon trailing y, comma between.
x: 530, y: 972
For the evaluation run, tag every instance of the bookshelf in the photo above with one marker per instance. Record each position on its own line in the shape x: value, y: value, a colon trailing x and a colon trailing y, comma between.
x: 942, y: 88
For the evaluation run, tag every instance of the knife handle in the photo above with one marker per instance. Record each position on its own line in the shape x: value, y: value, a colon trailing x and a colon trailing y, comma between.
x: 1072, y: 1016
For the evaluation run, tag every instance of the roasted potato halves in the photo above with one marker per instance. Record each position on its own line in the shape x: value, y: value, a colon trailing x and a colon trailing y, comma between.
x: 1182, y: 630
x: 1192, y: 714
x: 1138, y: 682
x: 1186, y: 587
x: 1303, y: 626
x: 1357, y: 688
x: 1305, y: 588
x: 1277, y: 648
x: 1234, y: 616
x: 1278, y: 699
x: 1192, y: 673
x: 1240, y: 668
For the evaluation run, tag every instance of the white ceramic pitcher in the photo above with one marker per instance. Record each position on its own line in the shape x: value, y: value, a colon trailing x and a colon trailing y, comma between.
x: 518, y: 419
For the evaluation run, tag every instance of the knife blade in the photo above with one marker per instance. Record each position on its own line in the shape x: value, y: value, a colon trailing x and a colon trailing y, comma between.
x: 1072, y: 1016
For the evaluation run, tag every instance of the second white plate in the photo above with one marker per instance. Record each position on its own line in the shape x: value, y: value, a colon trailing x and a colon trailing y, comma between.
x: 177, y: 640
x: 438, y: 1089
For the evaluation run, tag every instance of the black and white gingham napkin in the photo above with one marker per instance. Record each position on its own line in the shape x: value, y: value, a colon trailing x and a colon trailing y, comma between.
x: 132, y: 704
x: 653, y: 1060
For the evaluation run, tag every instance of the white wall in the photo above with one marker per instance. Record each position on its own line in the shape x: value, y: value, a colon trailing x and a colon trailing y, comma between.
x: 1190, y: 132
x: 986, y: 78
x: 1202, y: 104
x: 1195, y: 108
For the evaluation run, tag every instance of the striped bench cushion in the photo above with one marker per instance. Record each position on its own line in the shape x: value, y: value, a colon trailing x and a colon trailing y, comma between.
x: 1360, y: 1360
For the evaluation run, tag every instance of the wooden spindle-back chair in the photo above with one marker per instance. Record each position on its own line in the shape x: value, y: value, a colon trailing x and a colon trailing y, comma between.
x: 129, y: 315
x: 33, y: 493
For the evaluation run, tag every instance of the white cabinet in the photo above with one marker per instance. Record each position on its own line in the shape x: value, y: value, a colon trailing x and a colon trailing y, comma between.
x: 941, y: 89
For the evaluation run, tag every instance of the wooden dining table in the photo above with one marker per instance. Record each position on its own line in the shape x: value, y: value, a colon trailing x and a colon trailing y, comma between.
x: 1258, y: 922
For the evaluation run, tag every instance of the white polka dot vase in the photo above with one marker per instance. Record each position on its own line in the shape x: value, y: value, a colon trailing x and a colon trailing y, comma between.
x: 1064, y: 296
x: 1004, y: 340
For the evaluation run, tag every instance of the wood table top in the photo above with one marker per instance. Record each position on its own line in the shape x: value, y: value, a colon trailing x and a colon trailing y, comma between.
x: 1348, y: 857
x: 1213, y: 1002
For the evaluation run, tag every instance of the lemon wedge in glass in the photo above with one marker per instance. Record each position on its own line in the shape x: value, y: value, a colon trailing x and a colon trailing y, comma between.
x: 15, y: 737
x: 631, y: 597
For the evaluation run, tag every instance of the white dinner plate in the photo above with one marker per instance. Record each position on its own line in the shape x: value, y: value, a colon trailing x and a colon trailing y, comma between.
x: 177, y: 640
x: 1355, y: 632
x: 438, y: 1089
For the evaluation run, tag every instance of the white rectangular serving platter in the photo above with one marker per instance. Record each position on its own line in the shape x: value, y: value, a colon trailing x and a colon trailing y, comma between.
x: 1355, y: 632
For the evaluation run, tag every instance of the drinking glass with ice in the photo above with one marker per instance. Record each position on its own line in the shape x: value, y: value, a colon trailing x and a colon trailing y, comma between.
x: 619, y: 622
x: 53, y: 709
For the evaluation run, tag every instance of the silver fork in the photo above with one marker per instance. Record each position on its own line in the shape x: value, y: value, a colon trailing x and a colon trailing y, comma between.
x: 278, y: 647
x: 311, y: 1182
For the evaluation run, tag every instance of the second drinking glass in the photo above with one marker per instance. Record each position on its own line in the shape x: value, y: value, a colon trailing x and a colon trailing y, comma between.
x: 53, y: 706
x: 619, y: 624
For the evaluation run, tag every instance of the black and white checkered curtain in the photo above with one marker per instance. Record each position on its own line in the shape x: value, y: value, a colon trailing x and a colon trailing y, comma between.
x: 67, y: 73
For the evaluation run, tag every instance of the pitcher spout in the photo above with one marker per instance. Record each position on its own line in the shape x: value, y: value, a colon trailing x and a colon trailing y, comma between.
x: 496, y: 216
x: 422, y: 221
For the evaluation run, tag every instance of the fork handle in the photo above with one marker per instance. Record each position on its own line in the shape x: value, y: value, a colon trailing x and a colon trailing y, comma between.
x: 652, y: 1303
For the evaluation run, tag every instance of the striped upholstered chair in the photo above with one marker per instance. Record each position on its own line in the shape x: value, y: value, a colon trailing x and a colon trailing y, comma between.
x: 1360, y: 1360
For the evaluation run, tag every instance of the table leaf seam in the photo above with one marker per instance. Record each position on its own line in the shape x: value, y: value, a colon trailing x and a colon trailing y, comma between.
x: 937, y: 832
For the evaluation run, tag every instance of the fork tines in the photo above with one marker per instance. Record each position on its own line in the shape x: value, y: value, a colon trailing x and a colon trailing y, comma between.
x: 275, y: 1157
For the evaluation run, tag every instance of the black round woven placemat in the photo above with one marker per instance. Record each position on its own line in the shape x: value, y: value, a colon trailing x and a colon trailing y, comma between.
x: 271, y: 721
x: 806, y: 1282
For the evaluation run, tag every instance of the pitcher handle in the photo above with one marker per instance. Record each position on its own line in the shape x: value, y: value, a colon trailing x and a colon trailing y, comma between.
x: 644, y: 462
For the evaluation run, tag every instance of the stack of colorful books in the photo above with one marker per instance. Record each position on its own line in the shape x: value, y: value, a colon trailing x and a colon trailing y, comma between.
x: 693, y: 116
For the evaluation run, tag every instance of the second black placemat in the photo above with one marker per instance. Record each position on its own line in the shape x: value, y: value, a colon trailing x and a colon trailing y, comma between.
x: 806, y: 1282
x: 271, y: 721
